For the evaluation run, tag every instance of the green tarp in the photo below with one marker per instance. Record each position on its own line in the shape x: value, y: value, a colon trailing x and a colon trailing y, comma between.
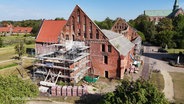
x: 91, y: 79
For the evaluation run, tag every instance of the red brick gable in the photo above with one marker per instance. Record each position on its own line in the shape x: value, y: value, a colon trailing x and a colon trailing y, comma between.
x: 122, y: 27
x: 81, y: 27
x: 50, y: 30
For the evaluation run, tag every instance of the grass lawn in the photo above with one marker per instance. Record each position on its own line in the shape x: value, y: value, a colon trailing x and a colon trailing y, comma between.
x: 6, y: 53
x: 158, y: 80
x: 178, y: 81
x: 173, y: 51
x: 12, y: 70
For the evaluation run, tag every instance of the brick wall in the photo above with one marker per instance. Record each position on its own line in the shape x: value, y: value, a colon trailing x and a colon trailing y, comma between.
x: 84, y: 29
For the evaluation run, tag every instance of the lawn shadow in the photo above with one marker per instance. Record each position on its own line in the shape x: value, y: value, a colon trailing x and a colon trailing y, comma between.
x: 89, y: 99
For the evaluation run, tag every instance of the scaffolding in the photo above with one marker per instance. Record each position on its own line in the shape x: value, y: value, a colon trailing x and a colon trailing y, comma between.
x: 70, y: 62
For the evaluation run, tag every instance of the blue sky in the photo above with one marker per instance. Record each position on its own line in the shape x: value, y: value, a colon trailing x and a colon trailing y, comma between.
x: 95, y: 9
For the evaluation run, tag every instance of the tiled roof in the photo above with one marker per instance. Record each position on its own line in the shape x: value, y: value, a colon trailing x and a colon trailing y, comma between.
x: 120, y: 43
x: 157, y: 12
x: 22, y: 29
x: 4, y: 29
x: 50, y: 30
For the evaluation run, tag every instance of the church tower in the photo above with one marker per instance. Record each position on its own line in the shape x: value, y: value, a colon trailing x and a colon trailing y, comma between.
x: 176, y: 5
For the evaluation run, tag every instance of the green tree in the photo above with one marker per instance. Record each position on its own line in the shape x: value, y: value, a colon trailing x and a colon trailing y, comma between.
x: 141, y: 35
x: 178, y: 23
x: 166, y: 38
x: 105, y: 24
x: 19, y: 49
x: 1, y: 42
x: 58, y: 18
x: 139, y: 92
x: 144, y: 25
x: 14, y: 90
x: 165, y: 24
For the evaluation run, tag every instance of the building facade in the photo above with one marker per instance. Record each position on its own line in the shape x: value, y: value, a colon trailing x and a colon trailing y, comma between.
x: 11, y: 30
x: 109, y: 52
x: 106, y: 60
x: 157, y: 15
x: 121, y: 27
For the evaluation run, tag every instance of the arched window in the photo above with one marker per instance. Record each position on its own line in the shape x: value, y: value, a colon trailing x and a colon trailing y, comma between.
x: 97, y: 34
x: 78, y: 15
x: 73, y: 23
x: 90, y: 31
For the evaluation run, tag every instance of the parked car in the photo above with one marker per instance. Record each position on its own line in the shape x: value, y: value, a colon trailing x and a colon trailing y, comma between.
x: 162, y: 50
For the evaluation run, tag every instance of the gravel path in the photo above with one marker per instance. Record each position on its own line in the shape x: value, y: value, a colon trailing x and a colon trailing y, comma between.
x: 165, y: 68
x: 168, y: 85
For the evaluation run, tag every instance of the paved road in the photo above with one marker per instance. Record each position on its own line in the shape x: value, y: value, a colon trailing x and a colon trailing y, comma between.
x: 146, y: 71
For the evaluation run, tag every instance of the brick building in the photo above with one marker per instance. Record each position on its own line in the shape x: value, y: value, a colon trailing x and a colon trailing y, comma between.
x: 157, y: 15
x: 109, y: 52
x: 121, y: 27
x: 48, y: 34
x: 10, y: 30
x: 106, y: 59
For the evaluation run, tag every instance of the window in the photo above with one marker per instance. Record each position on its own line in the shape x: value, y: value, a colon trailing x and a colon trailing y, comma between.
x: 106, y: 59
x: 78, y: 15
x: 84, y: 27
x: 79, y: 34
x: 67, y: 37
x: 85, y: 36
x: 109, y: 48
x: 103, y: 47
x: 91, y: 35
x: 73, y: 23
x: 90, y: 27
x: 97, y: 34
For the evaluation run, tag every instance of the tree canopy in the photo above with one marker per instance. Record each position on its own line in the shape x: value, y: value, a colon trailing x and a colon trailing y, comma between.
x: 14, y: 90
x: 35, y: 24
x: 105, y: 24
x: 139, y: 92
x: 19, y: 48
x: 168, y: 31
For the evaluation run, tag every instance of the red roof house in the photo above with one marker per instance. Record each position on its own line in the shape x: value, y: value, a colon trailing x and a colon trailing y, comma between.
x: 22, y: 29
x: 50, y: 30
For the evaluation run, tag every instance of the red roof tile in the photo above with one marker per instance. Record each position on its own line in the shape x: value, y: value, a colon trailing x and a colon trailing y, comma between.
x: 22, y: 29
x: 50, y: 30
x: 4, y: 29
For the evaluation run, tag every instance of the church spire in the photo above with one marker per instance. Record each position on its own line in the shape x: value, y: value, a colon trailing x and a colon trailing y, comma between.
x: 176, y: 5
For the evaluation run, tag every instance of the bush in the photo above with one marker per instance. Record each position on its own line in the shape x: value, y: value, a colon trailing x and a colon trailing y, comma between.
x: 1, y: 42
x: 14, y: 90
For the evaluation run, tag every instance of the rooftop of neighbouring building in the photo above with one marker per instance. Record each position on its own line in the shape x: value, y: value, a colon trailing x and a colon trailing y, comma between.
x: 50, y: 30
x: 163, y: 13
x: 122, y: 44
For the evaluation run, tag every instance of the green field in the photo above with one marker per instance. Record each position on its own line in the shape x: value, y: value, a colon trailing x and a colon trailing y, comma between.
x: 7, y: 53
x: 178, y: 81
x: 158, y: 80
x: 175, y: 51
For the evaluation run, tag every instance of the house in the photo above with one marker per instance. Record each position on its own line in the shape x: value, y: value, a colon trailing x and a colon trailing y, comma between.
x: 21, y: 30
x: 102, y: 52
x: 106, y: 60
x: 11, y: 30
x: 48, y: 34
x: 121, y: 27
x: 157, y: 15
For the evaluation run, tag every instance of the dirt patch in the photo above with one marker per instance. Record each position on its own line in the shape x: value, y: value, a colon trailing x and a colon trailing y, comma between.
x: 103, y: 85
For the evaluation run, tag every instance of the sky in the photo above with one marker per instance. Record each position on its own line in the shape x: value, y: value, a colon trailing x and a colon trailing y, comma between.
x: 96, y: 9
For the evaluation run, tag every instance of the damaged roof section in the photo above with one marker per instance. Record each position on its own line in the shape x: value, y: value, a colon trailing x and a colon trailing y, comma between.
x: 122, y: 44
